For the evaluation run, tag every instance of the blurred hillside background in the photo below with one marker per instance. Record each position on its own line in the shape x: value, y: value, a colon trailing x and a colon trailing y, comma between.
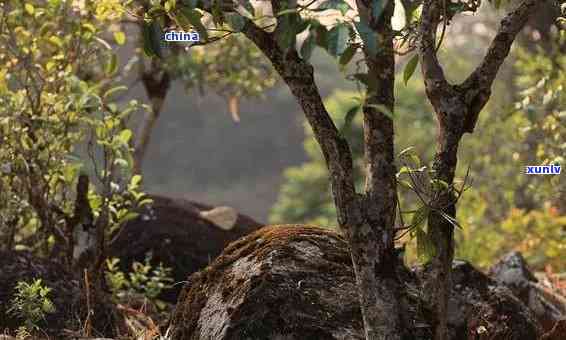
x: 268, y: 166
x: 199, y: 152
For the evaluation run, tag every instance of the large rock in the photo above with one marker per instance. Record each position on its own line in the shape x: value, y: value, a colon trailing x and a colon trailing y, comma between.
x: 70, y: 311
x: 512, y: 270
x: 480, y: 308
x: 297, y: 282
x: 181, y: 234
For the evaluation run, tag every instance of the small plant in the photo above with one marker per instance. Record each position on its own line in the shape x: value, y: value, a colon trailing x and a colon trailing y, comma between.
x: 433, y: 195
x: 31, y: 303
x: 144, y: 279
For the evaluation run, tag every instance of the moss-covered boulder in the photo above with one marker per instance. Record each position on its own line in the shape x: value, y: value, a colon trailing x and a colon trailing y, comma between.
x: 297, y: 282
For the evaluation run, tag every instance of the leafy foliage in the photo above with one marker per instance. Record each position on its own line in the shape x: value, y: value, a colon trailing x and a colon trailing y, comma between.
x: 222, y: 61
x: 59, y: 118
x: 233, y: 67
x: 144, y: 279
x: 31, y: 303
x: 508, y: 210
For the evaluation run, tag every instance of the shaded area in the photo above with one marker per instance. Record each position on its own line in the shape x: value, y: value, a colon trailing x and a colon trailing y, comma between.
x: 70, y: 307
x: 178, y: 236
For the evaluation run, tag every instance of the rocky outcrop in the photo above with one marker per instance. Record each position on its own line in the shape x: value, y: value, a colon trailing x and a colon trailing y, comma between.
x: 181, y: 234
x: 513, y: 272
x: 479, y: 308
x: 297, y: 282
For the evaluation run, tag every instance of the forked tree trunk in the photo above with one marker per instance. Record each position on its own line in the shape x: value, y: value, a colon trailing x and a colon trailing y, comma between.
x: 457, y: 108
x: 367, y: 220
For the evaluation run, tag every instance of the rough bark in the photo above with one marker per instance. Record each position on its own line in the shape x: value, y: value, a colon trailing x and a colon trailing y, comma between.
x: 375, y: 244
x: 177, y: 235
x: 369, y: 245
x: 457, y: 108
x: 297, y: 282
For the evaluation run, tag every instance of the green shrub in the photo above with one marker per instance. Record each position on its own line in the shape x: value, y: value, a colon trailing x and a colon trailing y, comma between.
x: 145, y: 279
x: 31, y: 303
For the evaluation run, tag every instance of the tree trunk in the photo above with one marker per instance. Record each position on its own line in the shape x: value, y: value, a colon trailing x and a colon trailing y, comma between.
x: 371, y: 246
x: 457, y: 108
x: 156, y: 82
x: 373, y: 243
x: 441, y: 231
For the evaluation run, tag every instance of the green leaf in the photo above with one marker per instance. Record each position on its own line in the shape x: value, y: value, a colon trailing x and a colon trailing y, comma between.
x: 410, y: 68
x: 307, y: 47
x: 248, y: 6
x: 348, y: 54
x: 156, y: 11
x: 383, y: 109
x: 88, y: 26
x: 450, y: 220
x: 49, y: 26
x: 151, y: 39
x: 420, y: 217
x: 112, y: 65
x: 236, y: 21
x: 147, y: 44
x: 192, y: 17
x: 377, y: 7
x: 407, y: 151
x: 337, y: 39
x: 339, y: 5
x: 439, y: 184
x: 120, y: 37
x: 114, y: 90
x: 349, y: 118
x: 169, y: 5
x: 55, y: 40
x: 287, y: 28
x: 29, y: 8
x: 368, y: 37
x: 124, y: 136
x: 285, y: 38
x: 320, y: 32
x: 287, y: 11
x: 128, y: 217
x: 425, y: 246
x: 135, y: 181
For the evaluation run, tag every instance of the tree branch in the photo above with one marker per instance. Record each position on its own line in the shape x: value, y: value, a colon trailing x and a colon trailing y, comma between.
x: 298, y: 74
x: 433, y: 74
x: 477, y: 86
